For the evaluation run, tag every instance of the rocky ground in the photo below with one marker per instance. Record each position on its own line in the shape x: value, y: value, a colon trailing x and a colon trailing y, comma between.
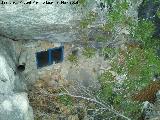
x: 151, y: 111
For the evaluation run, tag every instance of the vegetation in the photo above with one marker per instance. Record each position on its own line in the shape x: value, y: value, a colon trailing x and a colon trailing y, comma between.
x: 89, y: 52
x: 107, y: 52
x: 66, y: 100
x: 134, y: 67
x: 89, y: 18
x: 73, y: 58
x: 139, y: 69
x: 137, y: 63
x: 158, y: 13
x: 139, y: 34
x: 82, y: 2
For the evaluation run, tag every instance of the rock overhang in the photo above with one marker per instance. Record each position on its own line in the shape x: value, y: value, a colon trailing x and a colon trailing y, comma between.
x: 54, y: 22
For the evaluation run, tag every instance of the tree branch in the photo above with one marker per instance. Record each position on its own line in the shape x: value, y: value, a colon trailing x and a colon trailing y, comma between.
x: 91, y: 100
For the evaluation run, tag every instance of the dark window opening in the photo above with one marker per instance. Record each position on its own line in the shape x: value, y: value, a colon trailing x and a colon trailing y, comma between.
x: 42, y: 59
x: 57, y: 55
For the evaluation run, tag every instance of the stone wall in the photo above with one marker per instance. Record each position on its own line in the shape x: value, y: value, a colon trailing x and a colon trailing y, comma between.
x: 84, y: 72
x: 31, y: 72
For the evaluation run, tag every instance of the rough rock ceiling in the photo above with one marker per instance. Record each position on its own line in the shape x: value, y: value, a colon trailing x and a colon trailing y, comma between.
x: 54, y: 22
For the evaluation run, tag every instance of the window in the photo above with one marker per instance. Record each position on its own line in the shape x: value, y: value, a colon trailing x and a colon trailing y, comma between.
x: 45, y: 58
x: 57, y: 55
x: 42, y: 58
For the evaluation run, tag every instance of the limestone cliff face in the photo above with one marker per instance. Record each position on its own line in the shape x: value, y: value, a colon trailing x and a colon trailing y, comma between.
x: 41, y: 21
x: 14, y: 103
x: 38, y: 20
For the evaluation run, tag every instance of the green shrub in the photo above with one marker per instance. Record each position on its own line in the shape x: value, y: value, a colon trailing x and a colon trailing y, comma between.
x: 137, y: 61
x: 117, y: 14
x: 109, y: 2
x: 144, y: 31
x: 87, y: 20
x: 106, y: 77
x: 107, y: 51
x: 66, y: 100
x: 89, y: 52
x: 118, y: 99
x: 101, y: 38
x: 158, y: 13
x: 82, y: 2
x: 73, y: 58
x: 138, y: 66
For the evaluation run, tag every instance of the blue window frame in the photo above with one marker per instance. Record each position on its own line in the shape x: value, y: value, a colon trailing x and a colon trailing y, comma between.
x: 56, y: 54
x: 45, y: 58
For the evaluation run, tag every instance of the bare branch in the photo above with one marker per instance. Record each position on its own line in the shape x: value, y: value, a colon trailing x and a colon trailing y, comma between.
x: 91, y: 100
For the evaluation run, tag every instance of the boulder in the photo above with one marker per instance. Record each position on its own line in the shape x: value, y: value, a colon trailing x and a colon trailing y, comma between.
x: 15, y: 107
x: 158, y: 96
x: 14, y: 103
x: 147, y: 110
